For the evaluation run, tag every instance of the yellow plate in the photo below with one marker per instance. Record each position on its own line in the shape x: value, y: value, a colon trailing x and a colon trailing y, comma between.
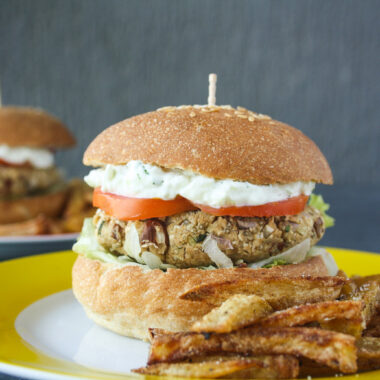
x: 24, y: 281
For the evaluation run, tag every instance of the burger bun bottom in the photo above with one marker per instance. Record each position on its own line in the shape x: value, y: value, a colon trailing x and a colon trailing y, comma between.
x: 129, y: 300
x: 21, y: 209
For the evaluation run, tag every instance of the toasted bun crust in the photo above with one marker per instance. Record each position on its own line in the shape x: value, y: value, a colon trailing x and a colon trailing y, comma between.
x: 33, y: 127
x: 21, y: 209
x: 129, y: 301
x: 218, y: 142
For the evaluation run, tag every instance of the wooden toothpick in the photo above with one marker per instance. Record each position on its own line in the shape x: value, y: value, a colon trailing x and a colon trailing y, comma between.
x: 212, y: 89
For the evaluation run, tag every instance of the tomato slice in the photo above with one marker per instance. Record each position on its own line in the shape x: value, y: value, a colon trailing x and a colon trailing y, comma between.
x: 291, y: 206
x: 125, y: 208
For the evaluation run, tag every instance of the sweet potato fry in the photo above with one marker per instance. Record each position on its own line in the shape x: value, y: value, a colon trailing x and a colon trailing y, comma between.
x: 313, y: 312
x: 366, y: 289
x: 370, y: 294
x: 154, y: 332
x: 326, y: 347
x: 368, y: 353
x: 78, y: 206
x: 373, y: 328
x: 80, y: 197
x: 341, y: 316
x: 267, y: 366
x: 270, y: 367
x: 74, y: 223
x: 279, y: 292
x: 212, y: 369
x: 361, y: 280
x: 313, y: 369
x: 36, y: 226
x: 237, y: 312
x: 263, y: 367
x: 352, y: 327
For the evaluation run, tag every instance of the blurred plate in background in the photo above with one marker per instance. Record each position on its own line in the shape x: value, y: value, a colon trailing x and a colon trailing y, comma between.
x: 17, y: 246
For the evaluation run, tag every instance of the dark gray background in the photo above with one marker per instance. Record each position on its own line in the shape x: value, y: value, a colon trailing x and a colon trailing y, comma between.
x: 313, y: 64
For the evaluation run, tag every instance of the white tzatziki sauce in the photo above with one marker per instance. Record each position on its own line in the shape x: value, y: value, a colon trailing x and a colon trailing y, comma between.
x: 38, y: 158
x: 140, y: 180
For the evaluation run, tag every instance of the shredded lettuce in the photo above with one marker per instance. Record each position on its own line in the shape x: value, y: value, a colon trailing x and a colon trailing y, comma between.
x: 275, y: 263
x: 293, y: 255
x: 299, y: 253
x: 317, y: 202
x: 88, y: 246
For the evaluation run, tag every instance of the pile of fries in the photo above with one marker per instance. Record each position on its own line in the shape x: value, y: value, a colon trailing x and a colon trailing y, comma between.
x: 78, y: 206
x: 256, y: 331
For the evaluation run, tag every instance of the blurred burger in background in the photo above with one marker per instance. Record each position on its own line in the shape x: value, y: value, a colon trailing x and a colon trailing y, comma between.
x: 33, y: 193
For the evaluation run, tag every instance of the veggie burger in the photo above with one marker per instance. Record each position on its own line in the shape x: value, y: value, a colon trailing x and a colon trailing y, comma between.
x: 192, y: 195
x: 30, y: 184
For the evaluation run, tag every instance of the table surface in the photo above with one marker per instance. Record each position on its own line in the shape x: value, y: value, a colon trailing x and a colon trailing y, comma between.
x: 357, y: 213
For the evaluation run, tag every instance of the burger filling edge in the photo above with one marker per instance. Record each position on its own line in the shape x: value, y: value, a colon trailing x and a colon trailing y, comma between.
x: 88, y: 246
x: 139, y: 180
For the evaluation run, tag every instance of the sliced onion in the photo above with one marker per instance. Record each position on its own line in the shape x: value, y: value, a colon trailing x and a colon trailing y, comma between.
x: 293, y: 255
x: 210, y: 247
x: 327, y: 258
x: 153, y: 261
x: 132, y: 243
